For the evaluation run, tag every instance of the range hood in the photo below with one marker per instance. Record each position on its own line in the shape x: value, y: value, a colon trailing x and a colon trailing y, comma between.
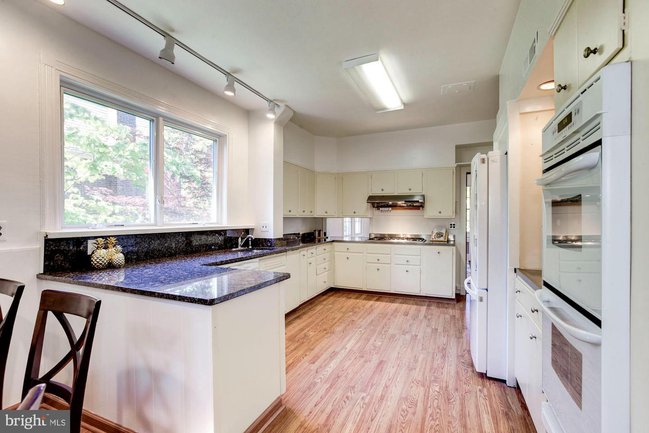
x: 398, y: 201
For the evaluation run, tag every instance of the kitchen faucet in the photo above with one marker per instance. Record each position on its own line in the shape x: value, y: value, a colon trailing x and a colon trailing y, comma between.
x: 243, y: 240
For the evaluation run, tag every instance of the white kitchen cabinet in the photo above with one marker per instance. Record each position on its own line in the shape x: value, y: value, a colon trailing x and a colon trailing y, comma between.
x: 439, y: 189
x: 304, y: 275
x: 598, y: 29
x: 312, y: 284
x: 409, y: 181
x: 349, y: 269
x: 406, y: 279
x: 326, y: 195
x: 590, y: 35
x: 383, y: 182
x: 307, y: 193
x: 355, y: 188
x: 528, y: 350
x: 377, y: 276
x: 438, y: 271
x: 566, y: 75
x: 292, y: 286
x: 291, y: 189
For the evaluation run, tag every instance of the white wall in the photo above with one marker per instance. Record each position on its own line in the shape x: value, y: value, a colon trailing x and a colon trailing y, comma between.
x: 299, y: 146
x: 32, y: 36
x: 413, y: 148
x: 326, y: 154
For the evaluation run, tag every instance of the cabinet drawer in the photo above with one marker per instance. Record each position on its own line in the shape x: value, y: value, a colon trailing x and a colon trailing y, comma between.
x: 406, y: 260
x: 405, y: 279
x: 378, y: 249
x: 377, y: 277
x: 349, y: 247
x: 321, y: 269
x: 527, y: 298
x: 403, y: 250
x: 272, y: 262
x: 377, y: 258
x: 322, y: 249
x: 323, y: 282
x: 322, y: 259
x: 310, y: 252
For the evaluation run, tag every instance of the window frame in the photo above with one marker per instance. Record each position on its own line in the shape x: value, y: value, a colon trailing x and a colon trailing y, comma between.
x: 159, y: 119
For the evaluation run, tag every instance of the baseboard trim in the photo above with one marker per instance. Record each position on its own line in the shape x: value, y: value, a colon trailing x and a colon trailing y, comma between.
x: 267, y: 416
x: 91, y: 421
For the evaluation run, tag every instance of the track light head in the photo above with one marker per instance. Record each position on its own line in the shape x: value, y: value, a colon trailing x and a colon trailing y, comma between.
x: 229, y: 87
x: 167, y: 53
x: 271, y: 113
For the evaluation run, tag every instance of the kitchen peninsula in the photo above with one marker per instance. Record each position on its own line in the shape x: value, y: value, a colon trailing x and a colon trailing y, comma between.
x: 184, y: 344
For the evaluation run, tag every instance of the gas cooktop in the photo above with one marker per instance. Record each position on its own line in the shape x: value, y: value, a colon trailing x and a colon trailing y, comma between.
x: 397, y: 237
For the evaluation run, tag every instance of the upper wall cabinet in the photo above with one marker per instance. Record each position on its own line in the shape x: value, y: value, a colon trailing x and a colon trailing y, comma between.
x: 291, y: 189
x: 355, y: 188
x: 326, y: 195
x: 589, y: 36
x: 409, y: 181
x: 299, y: 191
x: 383, y: 182
x: 439, y: 188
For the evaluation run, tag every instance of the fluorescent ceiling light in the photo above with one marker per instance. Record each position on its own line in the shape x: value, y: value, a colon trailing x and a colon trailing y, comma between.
x: 371, y: 77
x: 58, y: 2
x: 547, y: 85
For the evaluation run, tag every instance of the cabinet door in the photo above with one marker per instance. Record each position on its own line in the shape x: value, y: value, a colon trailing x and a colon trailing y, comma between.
x: 312, y: 286
x: 304, y: 275
x: 377, y: 277
x: 405, y: 279
x: 383, y: 182
x: 439, y: 188
x: 522, y: 355
x: 326, y: 196
x: 292, y: 286
x: 598, y: 28
x: 438, y: 271
x: 291, y: 189
x: 355, y: 191
x: 307, y: 193
x: 349, y: 270
x: 535, y: 377
x: 409, y: 181
x: 565, y: 58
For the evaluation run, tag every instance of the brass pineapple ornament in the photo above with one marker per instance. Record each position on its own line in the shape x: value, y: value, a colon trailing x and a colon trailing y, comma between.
x: 117, y: 259
x: 111, y: 243
x: 99, y: 258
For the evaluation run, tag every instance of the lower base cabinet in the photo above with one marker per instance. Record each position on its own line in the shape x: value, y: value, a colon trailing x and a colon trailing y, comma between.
x: 406, y: 279
x: 377, y: 277
x: 349, y: 269
x: 438, y: 271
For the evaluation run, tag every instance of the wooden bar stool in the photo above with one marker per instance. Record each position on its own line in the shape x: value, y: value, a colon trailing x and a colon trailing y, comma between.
x: 59, y: 304
x: 13, y: 289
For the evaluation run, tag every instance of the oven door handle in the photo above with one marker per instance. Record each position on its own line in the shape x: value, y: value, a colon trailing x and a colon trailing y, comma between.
x: 583, y: 162
x: 577, y: 332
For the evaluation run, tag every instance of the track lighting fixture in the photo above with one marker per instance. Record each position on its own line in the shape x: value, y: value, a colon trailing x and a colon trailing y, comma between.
x: 229, y: 88
x: 272, y: 107
x: 167, y: 53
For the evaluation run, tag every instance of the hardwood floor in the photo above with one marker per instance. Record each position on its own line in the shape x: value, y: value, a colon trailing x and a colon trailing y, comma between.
x: 361, y: 362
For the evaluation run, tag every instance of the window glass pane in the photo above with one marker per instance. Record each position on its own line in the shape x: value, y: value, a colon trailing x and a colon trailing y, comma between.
x: 347, y: 226
x: 358, y: 226
x: 189, y: 177
x: 107, y: 164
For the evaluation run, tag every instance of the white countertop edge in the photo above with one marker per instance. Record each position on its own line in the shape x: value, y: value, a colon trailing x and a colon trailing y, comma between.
x: 83, y: 232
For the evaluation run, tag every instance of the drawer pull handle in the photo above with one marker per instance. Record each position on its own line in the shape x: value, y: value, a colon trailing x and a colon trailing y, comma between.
x: 407, y: 261
x: 378, y: 260
x: 347, y: 257
x: 561, y: 87
x: 534, y: 310
x: 519, y: 315
x: 378, y: 269
x: 517, y: 291
x: 588, y: 51
x: 438, y: 252
x: 407, y: 271
x: 532, y: 337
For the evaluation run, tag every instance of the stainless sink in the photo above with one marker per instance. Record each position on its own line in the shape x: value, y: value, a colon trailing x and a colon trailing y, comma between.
x: 255, y: 249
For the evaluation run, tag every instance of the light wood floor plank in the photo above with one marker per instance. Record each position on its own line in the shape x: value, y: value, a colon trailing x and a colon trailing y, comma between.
x: 368, y: 363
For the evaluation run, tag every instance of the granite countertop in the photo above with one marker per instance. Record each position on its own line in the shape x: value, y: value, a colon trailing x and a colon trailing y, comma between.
x: 532, y: 277
x: 367, y: 240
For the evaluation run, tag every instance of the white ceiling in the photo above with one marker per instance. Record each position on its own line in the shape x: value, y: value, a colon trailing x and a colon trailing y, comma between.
x: 292, y: 50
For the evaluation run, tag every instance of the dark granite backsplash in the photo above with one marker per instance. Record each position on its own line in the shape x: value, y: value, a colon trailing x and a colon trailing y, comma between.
x: 71, y: 254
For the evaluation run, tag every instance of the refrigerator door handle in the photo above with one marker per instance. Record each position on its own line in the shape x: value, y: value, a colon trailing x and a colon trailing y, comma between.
x: 469, y: 290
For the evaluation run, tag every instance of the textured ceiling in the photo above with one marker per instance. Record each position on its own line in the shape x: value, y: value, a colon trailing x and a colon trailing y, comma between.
x: 292, y: 50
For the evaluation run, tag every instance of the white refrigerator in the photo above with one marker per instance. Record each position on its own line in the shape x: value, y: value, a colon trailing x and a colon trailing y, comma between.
x: 486, y: 286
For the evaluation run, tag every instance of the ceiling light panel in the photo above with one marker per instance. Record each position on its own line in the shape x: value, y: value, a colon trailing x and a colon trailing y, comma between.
x: 458, y: 88
x: 371, y: 77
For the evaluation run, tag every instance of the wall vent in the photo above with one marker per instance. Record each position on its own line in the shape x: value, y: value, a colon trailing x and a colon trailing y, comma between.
x: 458, y: 88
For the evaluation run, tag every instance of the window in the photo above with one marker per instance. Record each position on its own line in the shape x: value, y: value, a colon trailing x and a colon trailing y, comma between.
x: 352, y: 226
x: 110, y: 172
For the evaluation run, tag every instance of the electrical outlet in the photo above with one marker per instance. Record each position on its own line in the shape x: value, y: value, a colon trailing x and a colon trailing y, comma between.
x: 452, y: 225
x: 264, y: 227
x: 3, y: 231
x: 91, y: 246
